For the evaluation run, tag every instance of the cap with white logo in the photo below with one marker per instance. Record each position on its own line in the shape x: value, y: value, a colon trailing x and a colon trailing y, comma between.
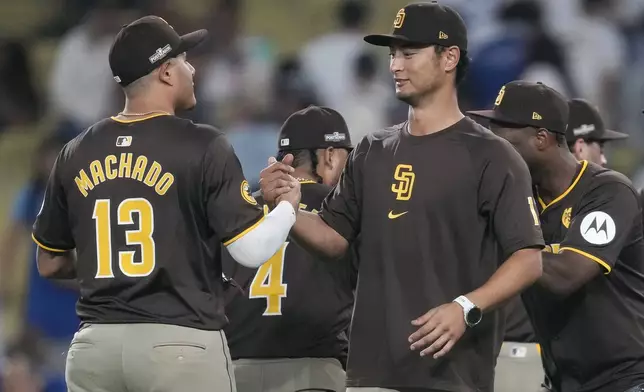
x: 585, y: 122
x: 142, y: 45
x: 312, y: 128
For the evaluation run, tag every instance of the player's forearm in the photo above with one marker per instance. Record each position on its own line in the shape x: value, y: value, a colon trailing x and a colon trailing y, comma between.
x: 265, y: 239
x: 520, y: 271
x: 564, y: 273
x: 56, y: 265
x: 314, y: 235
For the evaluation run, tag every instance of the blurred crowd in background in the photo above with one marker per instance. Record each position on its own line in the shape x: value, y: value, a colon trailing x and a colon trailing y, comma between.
x: 264, y: 60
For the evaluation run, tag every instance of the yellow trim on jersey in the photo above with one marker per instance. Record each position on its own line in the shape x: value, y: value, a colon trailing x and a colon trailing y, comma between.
x: 307, y: 182
x: 138, y: 119
x: 46, y: 247
x: 544, y: 206
x: 243, y: 233
x: 588, y: 255
x: 538, y: 349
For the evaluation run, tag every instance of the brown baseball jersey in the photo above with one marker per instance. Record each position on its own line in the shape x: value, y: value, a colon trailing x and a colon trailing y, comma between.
x: 295, y: 305
x: 147, y: 204
x: 436, y: 216
x: 593, y: 339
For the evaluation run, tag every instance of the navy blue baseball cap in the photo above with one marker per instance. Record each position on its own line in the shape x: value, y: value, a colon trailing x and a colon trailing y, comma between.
x: 426, y: 24
x: 144, y: 44
x: 312, y: 128
x: 528, y: 104
x: 585, y: 122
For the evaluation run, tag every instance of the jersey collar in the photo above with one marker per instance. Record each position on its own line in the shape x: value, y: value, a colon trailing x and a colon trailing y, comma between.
x: 544, y: 206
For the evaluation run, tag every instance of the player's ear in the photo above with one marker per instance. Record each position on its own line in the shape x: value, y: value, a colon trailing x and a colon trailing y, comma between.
x: 578, y: 146
x: 327, y: 157
x: 543, y: 139
x: 165, y: 73
x: 452, y: 56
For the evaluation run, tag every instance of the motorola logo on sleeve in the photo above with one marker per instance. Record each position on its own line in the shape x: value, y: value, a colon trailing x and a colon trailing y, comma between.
x: 598, y: 228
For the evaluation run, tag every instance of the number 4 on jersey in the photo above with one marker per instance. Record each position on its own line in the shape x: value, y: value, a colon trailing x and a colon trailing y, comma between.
x: 268, y: 283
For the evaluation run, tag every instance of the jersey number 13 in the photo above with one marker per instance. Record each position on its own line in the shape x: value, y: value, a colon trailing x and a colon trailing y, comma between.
x: 141, y: 236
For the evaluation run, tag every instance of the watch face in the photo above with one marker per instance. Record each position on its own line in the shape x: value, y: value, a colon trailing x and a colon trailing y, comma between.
x: 474, y: 316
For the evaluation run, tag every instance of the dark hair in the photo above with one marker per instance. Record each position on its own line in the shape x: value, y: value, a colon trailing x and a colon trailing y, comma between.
x: 461, y: 67
x: 365, y: 66
x: 302, y: 158
x: 351, y: 13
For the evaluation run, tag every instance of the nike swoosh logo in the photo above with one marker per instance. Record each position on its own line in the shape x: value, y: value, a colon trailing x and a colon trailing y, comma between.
x: 394, y: 216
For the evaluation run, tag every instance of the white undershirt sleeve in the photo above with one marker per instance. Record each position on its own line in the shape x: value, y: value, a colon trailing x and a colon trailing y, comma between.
x: 264, y: 240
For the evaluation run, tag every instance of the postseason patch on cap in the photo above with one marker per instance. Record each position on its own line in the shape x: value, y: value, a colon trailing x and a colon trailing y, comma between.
x: 335, y: 137
x: 584, y: 129
x: 160, y: 53
x: 285, y: 142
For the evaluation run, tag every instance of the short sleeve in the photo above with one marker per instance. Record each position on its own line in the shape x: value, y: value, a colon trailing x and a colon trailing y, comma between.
x: 603, y: 224
x: 52, y: 230
x: 505, y: 198
x: 232, y: 210
x: 341, y: 209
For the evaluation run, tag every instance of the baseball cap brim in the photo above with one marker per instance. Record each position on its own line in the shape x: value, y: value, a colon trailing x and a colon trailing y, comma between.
x: 191, y: 40
x: 348, y: 147
x: 492, y: 115
x: 613, y: 135
x: 390, y: 39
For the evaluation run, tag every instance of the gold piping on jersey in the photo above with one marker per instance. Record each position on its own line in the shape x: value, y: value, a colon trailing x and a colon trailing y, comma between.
x: 46, y: 247
x: 111, y: 168
x: 544, y: 206
x: 138, y: 119
x: 243, y: 233
x: 591, y: 257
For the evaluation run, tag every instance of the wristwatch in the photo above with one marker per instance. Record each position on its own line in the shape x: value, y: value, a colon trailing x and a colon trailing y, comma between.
x: 471, y: 312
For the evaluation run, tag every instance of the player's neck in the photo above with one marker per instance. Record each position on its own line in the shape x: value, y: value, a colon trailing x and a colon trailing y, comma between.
x: 435, y: 113
x: 143, y: 107
x: 303, y: 175
x: 555, y: 177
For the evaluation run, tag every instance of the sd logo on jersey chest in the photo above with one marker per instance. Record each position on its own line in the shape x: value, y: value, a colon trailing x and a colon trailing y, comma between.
x: 405, y: 177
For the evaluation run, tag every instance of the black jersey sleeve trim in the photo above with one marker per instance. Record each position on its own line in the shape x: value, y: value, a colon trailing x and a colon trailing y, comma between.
x: 597, y: 260
x: 49, y: 248
x: 523, y: 245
